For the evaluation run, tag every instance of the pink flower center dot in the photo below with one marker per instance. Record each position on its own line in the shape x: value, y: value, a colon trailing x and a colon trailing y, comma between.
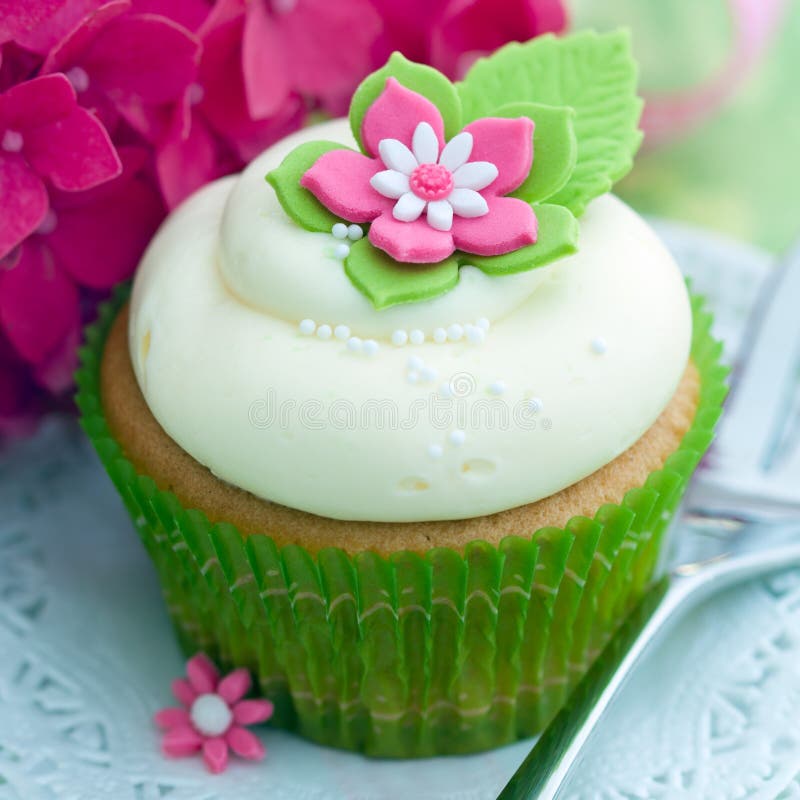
x: 12, y: 141
x: 431, y: 182
x: 211, y: 715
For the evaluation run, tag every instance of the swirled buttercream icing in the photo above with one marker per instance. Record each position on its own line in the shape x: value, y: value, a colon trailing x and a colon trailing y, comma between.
x: 257, y: 355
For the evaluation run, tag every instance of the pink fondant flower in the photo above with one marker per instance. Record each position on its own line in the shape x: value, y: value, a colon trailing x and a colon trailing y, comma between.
x: 451, y: 34
x: 213, y: 716
x: 410, y: 170
x: 127, y: 64
x: 46, y: 138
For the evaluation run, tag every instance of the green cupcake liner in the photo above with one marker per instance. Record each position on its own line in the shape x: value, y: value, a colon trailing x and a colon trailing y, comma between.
x: 414, y: 654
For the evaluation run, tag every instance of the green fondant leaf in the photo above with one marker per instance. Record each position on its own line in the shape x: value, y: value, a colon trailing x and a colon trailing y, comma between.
x: 594, y: 74
x: 388, y: 283
x: 298, y: 202
x: 555, y: 149
x: 558, y: 237
x: 421, y: 79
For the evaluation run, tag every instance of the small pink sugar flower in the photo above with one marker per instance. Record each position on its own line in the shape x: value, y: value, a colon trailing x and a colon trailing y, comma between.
x: 426, y: 197
x: 213, y: 716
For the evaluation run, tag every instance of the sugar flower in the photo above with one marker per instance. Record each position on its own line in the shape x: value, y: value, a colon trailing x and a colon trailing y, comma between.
x: 213, y: 716
x: 410, y: 171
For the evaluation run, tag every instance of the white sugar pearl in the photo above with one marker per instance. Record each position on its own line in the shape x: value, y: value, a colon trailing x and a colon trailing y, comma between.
x: 211, y: 715
x: 429, y: 374
x: 307, y: 327
x: 535, y: 404
x: 354, y: 344
x: 599, y: 345
x: 439, y: 335
x: 339, y: 230
x: 412, y: 376
x: 399, y: 337
x: 457, y: 438
x: 354, y: 233
x: 435, y: 451
x: 455, y: 332
x: 370, y: 347
x: 324, y: 332
x: 475, y: 335
x: 415, y: 362
x: 445, y: 390
x: 341, y: 251
x: 497, y: 387
x: 416, y: 336
x: 483, y: 324
x: 341, y: 332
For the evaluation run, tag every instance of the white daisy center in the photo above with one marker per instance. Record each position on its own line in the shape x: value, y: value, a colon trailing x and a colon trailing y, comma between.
x: 211, y: 715
x: 440, y: 184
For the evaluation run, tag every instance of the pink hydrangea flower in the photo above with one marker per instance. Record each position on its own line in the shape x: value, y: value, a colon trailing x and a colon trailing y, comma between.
x: 20, y: 17
x: 316, y: 48
x: 426, y: 198
x: 213, y: 716
x: 46, y: 137
x: 127, y: 64
x: 451, y: 34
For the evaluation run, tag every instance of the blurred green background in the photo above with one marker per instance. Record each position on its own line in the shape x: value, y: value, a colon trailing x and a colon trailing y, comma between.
x: 738, y: 172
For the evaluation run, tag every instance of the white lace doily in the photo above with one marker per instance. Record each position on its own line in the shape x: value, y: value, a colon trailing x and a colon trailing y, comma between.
x: 87, y: 655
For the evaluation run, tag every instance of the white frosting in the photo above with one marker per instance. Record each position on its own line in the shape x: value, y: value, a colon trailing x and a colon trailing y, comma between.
x: 292, y: 417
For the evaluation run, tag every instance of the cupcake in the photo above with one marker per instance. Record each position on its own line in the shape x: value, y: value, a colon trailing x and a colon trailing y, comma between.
x: 403, y: 426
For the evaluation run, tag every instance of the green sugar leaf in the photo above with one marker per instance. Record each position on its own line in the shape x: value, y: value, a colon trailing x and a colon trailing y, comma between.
x: 421, y: 79
x: 388, y: 283
x: 592, y: 73
x: 555, y: 148
x: 298, y: 202
x: 557, y: 237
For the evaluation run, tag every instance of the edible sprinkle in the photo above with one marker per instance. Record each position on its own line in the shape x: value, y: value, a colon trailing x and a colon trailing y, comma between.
x: 475, y: 335
x: 370, y: 347
x: 455, y: 332
x: 415, y: 363
x: 599, y: 345
x: 399, y: 337
x: 307, y: 327
x: 339, y: 230
x: 435, y: 451
x: 412, y: 376
x: 341, y: 332
x: 354, y: 233
x: 324, y: 332
x: 354, y: 344
x: 439, y: 335
x: 483, y: 324
x: 341, y: 251
x: 535, y: 404
x: 497, y: 387
x: 417, y: 336
x: 457, y: 438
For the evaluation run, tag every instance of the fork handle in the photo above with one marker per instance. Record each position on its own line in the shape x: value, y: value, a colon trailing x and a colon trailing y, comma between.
x: 554, y: 755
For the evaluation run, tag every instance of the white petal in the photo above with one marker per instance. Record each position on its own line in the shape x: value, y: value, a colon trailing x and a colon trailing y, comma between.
x: 425, y: 144
x: 397, y: 156
x: 440, y: 215
x: 468, y: 203
x: 456, y: 151
x: 408, y: 207
x: 475, y: 175
x: 389, y: 183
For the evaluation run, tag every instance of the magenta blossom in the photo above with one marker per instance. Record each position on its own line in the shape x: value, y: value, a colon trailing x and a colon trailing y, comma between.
x: 213, y: 716
x: 19, y: 17
x: 45, y: 137
x: 459, y: 186
x: 316, y: 48
x: 126, y: 64
x: 451, y: 34
x: 214, y: 130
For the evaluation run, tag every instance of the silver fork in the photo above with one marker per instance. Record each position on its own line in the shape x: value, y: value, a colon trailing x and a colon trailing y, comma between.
x: 741, y: 519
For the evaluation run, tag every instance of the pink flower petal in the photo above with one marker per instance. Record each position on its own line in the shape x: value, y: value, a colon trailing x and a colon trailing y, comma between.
x: 314, y: 32
x: 144, y: 57
x: 339, y: 179
x: 202, y: 674
x: 24, y: 201
x: 215, y: 754
x: 509, y: 225
x: 17, y: 17
x: 183, y: 692
x: 413, y: 242
x: 189, y: 13
x: 234, y: 686
x: 245, y: 744
x: 250, y: 712
x: 172, y: 718
x: 75, y: 152
x: 266, y: 76
x: 395, y: 115
x: 56, y: 371
x: 79, y: 36
x: 36, y: 102
x: 45, y: 36
x: 101, y: 241
x: 38, y: 302
x: 181, y: 741
x: 506, y: 143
